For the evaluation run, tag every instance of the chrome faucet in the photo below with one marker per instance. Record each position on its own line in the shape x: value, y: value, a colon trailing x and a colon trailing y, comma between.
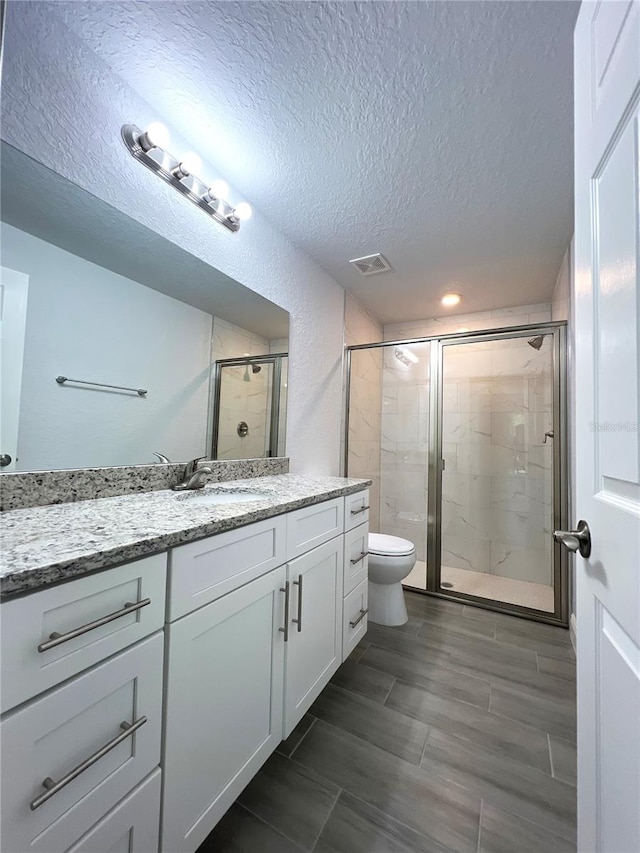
x: 193, y: 476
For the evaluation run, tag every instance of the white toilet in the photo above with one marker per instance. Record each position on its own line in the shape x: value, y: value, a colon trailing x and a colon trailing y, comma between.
x: 390, y: 561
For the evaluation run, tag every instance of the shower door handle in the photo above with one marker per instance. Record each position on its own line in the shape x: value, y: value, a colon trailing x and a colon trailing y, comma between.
x: 575, y: 540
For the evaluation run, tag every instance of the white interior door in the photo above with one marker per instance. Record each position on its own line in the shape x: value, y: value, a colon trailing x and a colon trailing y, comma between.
x: 14, y: 287
x: 607, y: 322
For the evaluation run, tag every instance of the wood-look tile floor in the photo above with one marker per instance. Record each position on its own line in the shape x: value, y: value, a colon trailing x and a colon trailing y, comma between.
x: 455, y: 732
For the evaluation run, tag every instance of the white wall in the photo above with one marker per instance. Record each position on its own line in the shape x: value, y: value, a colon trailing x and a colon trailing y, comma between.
x: 63, y: 106
x: 76, y: 327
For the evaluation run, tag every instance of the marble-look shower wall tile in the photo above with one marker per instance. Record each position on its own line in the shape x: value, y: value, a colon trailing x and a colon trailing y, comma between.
x: 471, y: 554
x: 365, y: 403
x: 527, y: 564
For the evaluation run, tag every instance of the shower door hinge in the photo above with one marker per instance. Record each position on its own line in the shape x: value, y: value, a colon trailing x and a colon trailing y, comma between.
x: 442, y: 464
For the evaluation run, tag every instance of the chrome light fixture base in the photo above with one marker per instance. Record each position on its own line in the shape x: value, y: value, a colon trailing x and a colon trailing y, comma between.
x: 167, y: 166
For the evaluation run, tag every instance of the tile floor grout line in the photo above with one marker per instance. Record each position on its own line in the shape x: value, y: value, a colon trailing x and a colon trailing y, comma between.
x: 271, y: 826
x: 480, y: 825
x: 393, y: 683
x: 390, y: 816
x: 424, y: 746
x: 313, y: 722
x: 322, y: 828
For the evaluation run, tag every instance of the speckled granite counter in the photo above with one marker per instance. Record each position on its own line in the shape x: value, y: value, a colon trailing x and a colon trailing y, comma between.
x: 49, y: 544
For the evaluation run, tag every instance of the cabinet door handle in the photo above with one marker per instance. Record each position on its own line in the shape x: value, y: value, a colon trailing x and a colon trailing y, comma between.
x: 285, y: 630
x: 56, y: 639
x: 360, y: 558
x: 53, y: 787
x: 298, y: 621
x: 357, y: 621
x: 359, y: 510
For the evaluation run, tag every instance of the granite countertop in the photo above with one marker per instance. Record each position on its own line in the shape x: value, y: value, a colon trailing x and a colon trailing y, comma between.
x: 45, y: 545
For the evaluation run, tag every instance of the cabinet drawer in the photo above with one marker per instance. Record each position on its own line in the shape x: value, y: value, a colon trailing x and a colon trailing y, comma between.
x: 52, y: 738
x: 205, y: 570
x: 133, y: 826
x: 27, y: 624
x: 356, y: 561
x: 356, y: 509
x: 355, y: 618
x: 312, y: 525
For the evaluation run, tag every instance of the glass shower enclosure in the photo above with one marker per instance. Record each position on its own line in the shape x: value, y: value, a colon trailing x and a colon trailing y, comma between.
x: 470, y: 461
x: 249, y: 407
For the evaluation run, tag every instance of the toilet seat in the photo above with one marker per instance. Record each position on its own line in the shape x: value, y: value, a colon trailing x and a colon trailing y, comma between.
x: 384, y: 545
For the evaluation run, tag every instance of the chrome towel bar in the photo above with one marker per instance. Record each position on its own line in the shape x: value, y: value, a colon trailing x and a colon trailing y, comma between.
x: 139, y: 391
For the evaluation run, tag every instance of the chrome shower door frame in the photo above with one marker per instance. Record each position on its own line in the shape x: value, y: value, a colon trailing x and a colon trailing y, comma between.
x: 560, y: 480
x: 558, y: 331
x: 274, y: 417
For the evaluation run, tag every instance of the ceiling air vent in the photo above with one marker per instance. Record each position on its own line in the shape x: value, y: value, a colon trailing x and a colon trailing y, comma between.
x: 371, y: 264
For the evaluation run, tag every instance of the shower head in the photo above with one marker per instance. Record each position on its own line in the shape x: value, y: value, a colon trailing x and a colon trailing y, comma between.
x: 536, y: 342
x: 255, y: 368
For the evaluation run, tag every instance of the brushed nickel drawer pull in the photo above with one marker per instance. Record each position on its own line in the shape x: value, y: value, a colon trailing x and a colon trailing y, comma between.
x: 363, y: 613
x: 285, y: 630
x: 298, y: 621
x: 359, y: 510
x: 57, y: 639
x: 360, y: 558
x: 53, y: 787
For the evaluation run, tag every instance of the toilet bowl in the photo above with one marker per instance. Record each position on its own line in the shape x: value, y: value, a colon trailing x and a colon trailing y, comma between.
x: 390, y: 561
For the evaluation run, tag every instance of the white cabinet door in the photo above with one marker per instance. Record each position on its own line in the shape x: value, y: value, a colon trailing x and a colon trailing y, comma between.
x: 133, y: 826
x: 66, y: 758
x: 314, y: 641
x: 223, y: 706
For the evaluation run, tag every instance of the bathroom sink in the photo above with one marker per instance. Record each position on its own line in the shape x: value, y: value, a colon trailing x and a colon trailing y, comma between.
x: 211, y: 496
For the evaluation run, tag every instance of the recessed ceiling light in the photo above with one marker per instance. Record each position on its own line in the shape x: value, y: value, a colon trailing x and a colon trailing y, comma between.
x: 450, y: 299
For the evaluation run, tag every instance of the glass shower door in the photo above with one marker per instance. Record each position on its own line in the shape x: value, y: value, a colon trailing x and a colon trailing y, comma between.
x: 497, y: 501
x: 388, y: 440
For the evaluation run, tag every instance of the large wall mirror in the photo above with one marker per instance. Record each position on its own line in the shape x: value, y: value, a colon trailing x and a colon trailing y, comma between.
x: 90, y: 299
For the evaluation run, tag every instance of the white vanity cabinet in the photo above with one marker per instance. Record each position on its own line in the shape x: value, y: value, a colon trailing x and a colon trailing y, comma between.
x: 314, y: 637
x: 243, y: 669
x: 118, y: 735
x: 223, y: 705
x: 69, y: 756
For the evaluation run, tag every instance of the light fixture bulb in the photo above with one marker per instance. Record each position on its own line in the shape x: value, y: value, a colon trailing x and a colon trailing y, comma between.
x: 190, y: 164
x: 155, y: 136
x: 242, y: 211
x: 219, y: 189
x: 411, y: 356
x: 451, y: 299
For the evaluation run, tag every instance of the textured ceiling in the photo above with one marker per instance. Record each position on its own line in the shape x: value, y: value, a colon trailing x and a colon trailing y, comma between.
x: 439, y: 134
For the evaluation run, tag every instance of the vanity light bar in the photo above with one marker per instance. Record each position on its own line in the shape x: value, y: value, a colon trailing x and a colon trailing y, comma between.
x: 147, y: 148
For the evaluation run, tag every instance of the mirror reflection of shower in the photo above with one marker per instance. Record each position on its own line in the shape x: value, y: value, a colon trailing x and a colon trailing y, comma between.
x: 255, y: 368
x: 251, y: 390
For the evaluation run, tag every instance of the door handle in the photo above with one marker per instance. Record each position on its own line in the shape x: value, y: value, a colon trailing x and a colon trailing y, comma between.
x: 576, y: 540
x: 5, y: 459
